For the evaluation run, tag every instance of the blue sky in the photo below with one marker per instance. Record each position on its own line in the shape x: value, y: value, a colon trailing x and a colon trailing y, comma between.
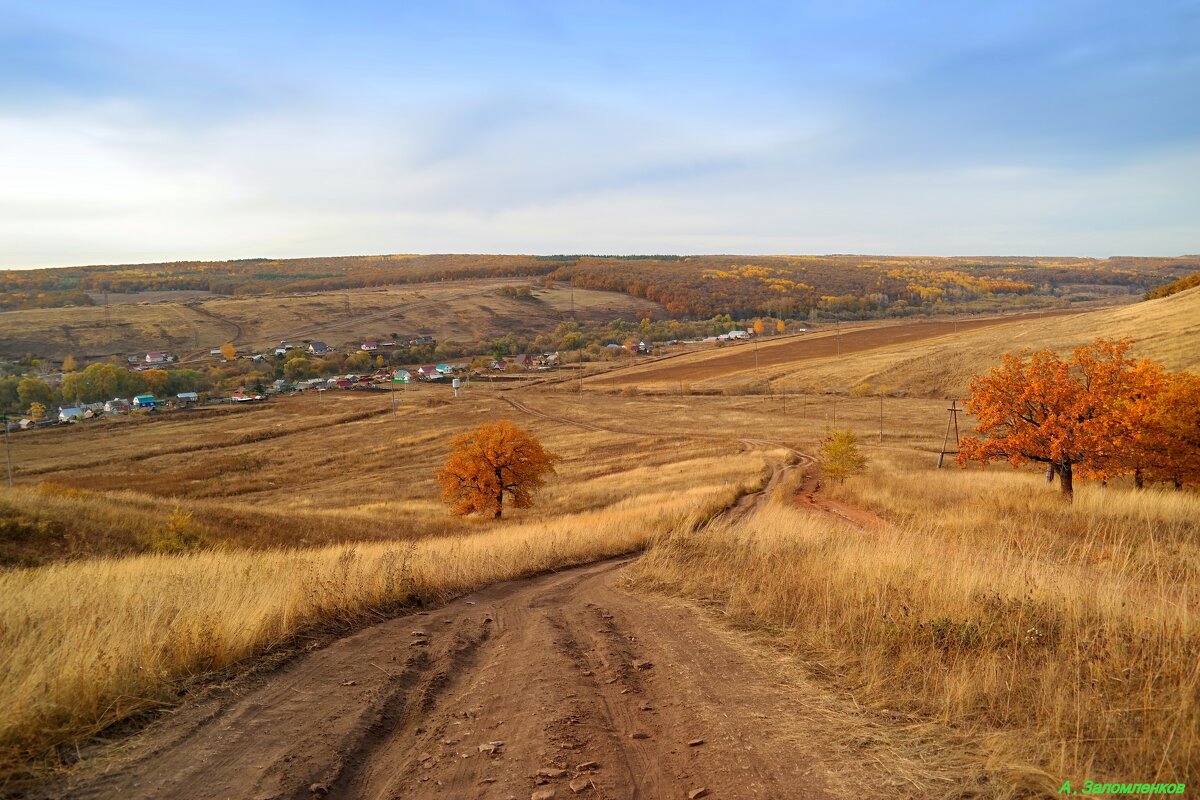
x: 149, y: 132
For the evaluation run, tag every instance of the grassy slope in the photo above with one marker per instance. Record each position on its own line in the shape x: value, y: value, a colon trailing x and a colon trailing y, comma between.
x: 456, y: 310
x: 86, y: 642
x: 1166, y: 330
x: 1060, y: 641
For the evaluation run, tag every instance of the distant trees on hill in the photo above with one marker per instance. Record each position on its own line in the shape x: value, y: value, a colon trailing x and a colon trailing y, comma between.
x: 1183, y: 284
x: 688, y: 286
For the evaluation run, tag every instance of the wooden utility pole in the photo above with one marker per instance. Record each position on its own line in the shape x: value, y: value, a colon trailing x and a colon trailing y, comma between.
x: 952, y: 421
x: 880, y: 418
x: 8, y: 451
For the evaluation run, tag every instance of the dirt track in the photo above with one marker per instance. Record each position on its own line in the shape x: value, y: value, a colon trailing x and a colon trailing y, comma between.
x: 562, y: 683
x: 565, y: 674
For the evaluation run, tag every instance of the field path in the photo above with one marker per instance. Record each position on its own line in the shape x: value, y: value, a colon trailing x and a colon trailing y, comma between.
x: 560, y: 682
x: 807, y: 495
x: 560, y: 685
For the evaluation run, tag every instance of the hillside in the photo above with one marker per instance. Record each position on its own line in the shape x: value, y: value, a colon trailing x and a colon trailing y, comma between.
x: 1166, y: 330
x: 462, y: 311
x: 922, y: 359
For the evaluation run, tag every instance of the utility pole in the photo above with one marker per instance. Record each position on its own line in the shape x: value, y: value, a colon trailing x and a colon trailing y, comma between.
x: 393, y: 384
x: 8, y: 451
x: 579, y: 350
x: 952, y: 421
x: 837, y: 326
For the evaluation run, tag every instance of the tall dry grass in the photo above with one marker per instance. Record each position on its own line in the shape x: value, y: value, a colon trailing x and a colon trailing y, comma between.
x: 86, y: 644
x: 1063, y: 639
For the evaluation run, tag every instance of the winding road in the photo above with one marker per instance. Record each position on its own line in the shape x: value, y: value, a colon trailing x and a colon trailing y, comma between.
x: 556, y: 686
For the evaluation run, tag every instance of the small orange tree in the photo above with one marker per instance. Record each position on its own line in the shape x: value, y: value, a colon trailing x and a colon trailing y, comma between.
x: 1053, y: 411
x: 495, y: 459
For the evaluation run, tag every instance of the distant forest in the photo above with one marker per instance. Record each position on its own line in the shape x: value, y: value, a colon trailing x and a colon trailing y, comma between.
x: 687, y: 286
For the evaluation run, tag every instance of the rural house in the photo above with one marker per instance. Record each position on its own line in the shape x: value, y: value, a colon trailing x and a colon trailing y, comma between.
x: 144, y: 401
x: 157, y: 358
x: 318, y: 348
x: 369, y: 347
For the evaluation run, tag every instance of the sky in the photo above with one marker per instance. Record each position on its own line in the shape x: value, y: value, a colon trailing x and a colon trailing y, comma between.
x: 135, y: 132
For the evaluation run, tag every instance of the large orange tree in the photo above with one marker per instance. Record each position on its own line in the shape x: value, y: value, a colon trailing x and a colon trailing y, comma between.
x: 494, y: 460
x: 1065, y: 413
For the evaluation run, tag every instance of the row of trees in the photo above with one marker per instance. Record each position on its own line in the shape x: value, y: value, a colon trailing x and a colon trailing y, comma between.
x: 1100, y: 413
x: 850, y: 286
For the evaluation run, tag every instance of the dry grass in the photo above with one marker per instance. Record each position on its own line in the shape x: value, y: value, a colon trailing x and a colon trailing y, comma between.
x: 306, y: 472
x: 917, y: 358
x: 235, y: 569
x: 1062, y: 639
x: 1166, y: 330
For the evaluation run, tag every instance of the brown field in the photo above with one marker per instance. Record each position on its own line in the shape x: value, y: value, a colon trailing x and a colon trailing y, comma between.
x: 776, y: 356
x: 978, y: 639
x: 923, y: 359
x: 462, y: 311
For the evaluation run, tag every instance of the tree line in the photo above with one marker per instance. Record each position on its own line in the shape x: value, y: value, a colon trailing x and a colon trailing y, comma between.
x: 688, y: 286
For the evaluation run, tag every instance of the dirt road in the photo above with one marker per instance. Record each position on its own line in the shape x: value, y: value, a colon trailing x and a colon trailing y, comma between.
x: 562, y: 683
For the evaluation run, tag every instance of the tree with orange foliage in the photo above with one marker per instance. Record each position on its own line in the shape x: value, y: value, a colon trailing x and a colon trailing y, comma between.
x: 759, y: 328
x: 1167, y: 446
x: 495, y: 459
x: 228, y: 351
x: 1063, y: 413
x: 780, y: 326
x: 156, y: 380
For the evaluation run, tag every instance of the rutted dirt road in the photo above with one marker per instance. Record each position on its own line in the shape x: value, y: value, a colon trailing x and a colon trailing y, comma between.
x: 562, y: 683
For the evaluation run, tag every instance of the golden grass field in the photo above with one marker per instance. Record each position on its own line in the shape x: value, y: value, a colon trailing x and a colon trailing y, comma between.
x: 462, y: 311
x: 93, y: 636
x: 884, y: 358
x: 1052, y: 641
x: 988, y: 626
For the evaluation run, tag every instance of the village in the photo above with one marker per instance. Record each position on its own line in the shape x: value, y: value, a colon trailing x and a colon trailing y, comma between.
x: 379, y: 376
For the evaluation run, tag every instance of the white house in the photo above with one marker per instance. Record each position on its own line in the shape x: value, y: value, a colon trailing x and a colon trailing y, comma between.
x: 157, y: 358
x: 70, y: 414
x: 188, y: 397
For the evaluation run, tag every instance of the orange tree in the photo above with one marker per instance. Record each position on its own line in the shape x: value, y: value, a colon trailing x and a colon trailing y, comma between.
x: 1063, y: 413
x: 495, y: 459
x: 1171, y: 443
